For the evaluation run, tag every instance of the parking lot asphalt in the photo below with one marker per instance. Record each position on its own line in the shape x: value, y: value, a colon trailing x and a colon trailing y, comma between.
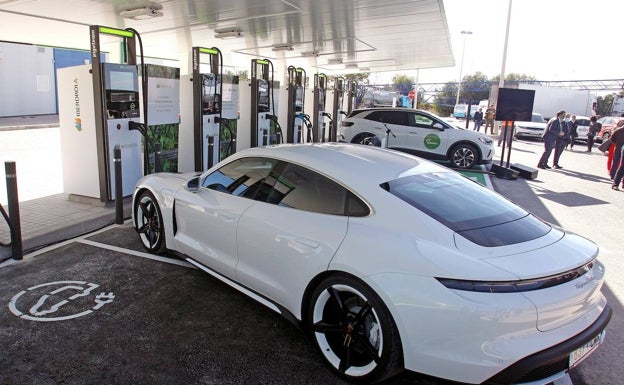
x: 98, y: 310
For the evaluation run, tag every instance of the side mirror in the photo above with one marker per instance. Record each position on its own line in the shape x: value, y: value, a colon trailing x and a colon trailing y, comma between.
x: 439, y: 126
x: 192, y: 184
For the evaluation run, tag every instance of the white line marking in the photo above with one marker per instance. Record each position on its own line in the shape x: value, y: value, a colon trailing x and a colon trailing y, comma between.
x: 136, y: 253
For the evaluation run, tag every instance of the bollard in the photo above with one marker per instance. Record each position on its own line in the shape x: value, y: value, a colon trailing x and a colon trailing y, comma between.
x: 119, y: 217
x: 157, y: 164
x: 14, y: 212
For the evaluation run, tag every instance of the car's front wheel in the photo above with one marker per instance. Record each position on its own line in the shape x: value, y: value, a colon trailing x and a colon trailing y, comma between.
x: 464, y: 155
x: 353, y: 330
x: 149, y: 222
x: 367, y: 140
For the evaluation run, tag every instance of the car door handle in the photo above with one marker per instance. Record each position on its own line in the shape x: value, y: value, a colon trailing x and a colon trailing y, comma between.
x: 227, y: 217
x: 307, y: 242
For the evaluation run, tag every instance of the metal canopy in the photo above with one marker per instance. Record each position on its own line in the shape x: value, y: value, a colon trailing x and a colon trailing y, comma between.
x: 331, y: 36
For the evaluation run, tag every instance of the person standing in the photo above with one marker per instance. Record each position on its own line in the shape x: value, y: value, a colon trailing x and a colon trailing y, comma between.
x: 561, y: 142
x: 553, y: 130
x: 490, y: 115
x: 478, y: 120
x: 594, y: 128
x: 615, y: 149
x: 573, y: 126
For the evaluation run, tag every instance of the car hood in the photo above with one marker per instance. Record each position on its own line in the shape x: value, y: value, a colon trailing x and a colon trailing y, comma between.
x: 531, y: 124
x: 553, y: 253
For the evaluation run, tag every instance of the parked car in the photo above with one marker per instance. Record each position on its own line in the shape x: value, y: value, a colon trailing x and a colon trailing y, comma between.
x: 419, y: 133
x: 582, y: 127
x: 533, y: 129
x: 386, y: 260
x: 608, y: 124
x: 460, y: 110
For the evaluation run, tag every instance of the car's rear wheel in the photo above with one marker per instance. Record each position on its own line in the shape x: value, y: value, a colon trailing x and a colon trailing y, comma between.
x: 149, y: 222
x: 353, y: 330
x: 368, y: 140
x: 464, y: 155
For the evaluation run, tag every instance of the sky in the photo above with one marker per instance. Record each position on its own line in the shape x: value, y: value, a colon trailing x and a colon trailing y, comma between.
x: 548, y: 39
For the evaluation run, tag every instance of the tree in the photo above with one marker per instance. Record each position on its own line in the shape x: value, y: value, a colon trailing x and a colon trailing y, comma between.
x: 361, y: 79
x: 403, y: 83
x: 445, y: 99
x: 513, y: 79
x: 474, y: 88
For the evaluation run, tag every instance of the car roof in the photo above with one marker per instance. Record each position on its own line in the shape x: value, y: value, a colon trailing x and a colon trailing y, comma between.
x: 347, y: 162
x: 357, y: 111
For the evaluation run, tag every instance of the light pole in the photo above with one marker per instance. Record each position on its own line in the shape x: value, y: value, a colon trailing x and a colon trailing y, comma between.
x: 461, y: 67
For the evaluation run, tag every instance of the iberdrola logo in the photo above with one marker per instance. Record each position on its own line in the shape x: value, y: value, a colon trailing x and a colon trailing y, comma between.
x: 77, y: 120
x: 432, y: 141
x: 78, y: 124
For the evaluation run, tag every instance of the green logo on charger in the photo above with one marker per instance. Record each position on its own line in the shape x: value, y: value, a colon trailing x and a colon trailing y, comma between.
x: 432, y: 141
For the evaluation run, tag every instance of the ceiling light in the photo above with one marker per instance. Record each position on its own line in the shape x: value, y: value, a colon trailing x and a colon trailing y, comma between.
x: 351, y: 66
x: 141, y: 13
x: 282, y: 47
x: 228, y: 32
x: 334, y: 61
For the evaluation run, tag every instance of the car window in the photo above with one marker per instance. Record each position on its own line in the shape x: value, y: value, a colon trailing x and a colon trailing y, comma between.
x: 248, y: 177
x: 395, y: 117
x: 376, y: 116
x: 301, y: 188
x: 582, y: 122
x: 464, y: 206
x: 453, y: 200
x: 419, y: 120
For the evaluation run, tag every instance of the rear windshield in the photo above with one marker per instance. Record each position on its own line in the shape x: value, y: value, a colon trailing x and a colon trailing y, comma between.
x: 467, y: 208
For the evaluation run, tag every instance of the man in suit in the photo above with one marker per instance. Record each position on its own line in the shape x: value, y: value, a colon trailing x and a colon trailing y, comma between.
x: 556, y: 128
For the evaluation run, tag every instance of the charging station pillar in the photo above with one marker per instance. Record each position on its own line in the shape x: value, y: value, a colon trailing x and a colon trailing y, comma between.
x: 337, y: 111
x: 320, y: 93
x: 207, y: 91
x: 351, y: 96
x: 296, y: 98
x: 97, y: 102
x: 260, y: 103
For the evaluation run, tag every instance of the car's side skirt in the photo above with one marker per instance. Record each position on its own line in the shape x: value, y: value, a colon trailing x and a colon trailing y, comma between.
x: 422, y: 154
x: 245, y: 290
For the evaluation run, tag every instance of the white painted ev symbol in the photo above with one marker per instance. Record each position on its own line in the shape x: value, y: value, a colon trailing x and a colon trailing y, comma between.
x: 58, y: 301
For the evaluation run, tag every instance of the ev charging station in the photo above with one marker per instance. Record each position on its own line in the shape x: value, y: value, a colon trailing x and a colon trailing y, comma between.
x: 207, y: 90
x: 351, y: 96
x: 265, y: 128
x: 209, y: 107
x: 297, y: 121
x: 97, y: 102
x: 337, y: 108
x: 318, y: 115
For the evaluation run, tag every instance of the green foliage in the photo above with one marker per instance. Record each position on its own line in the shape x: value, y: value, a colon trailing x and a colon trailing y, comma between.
x: 474, y: 87
x: 403, y: 83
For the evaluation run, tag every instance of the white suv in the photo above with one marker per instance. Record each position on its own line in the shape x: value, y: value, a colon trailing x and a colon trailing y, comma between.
x: 419, y: 133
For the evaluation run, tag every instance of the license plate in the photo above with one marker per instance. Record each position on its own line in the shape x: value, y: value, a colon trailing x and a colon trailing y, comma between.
x: 582, y: 352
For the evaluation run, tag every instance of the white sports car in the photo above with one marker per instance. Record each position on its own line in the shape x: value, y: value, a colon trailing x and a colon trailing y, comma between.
x: 390, y: 262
